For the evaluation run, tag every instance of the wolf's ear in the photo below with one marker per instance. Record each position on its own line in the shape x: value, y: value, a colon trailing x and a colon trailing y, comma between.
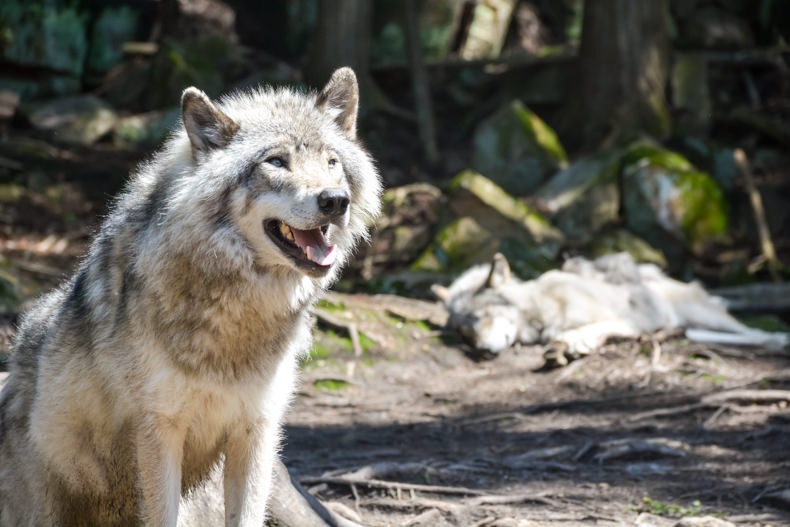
x: 207, y: 127
x: 500, y: 271
x: 341, y: 95
x: 440, y: 292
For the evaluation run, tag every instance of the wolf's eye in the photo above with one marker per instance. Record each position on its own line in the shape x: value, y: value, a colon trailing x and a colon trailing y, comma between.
x: 332, y: 162
x: 276, y: 162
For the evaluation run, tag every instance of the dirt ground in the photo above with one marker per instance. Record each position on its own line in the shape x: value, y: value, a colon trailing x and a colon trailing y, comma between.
x: 411, y: 430
x: 415, y: 432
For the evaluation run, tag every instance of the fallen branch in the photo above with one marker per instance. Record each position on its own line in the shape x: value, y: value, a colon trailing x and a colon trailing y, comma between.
x: 349, y: 327
x: 393, y: 485
x: 717, y: 400
x: 766, y: 244
x: 747, y: 395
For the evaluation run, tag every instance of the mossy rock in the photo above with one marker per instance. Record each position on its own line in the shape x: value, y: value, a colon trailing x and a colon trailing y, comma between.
x: 409, y: 220
x: 669, y: 203
x: 517, y: 150
x: 473, y: 194
x: 584, y: 197
x: 465, y: 242
x: 145, y: 130
x: 622, y: 240
x: 458, y: 246
x: 81, y: 119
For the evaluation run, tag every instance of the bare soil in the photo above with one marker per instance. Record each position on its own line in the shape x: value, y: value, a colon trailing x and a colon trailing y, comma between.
x: 416, y: 432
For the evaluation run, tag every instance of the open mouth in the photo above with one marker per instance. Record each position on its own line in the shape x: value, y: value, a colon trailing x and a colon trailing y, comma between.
x: 309, y: 249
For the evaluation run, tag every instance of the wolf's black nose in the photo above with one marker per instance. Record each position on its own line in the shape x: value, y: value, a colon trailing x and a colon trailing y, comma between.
x: 333, y: 202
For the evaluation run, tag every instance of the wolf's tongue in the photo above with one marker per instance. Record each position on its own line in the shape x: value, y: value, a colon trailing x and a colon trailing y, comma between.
x: 314, y: 245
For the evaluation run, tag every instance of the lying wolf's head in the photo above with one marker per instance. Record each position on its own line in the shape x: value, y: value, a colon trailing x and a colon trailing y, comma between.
x: 282, y: 172
x: 480, y: 310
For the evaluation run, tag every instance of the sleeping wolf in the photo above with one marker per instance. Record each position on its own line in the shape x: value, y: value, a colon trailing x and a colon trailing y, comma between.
x: 174, y: 346
x: 578, y: 308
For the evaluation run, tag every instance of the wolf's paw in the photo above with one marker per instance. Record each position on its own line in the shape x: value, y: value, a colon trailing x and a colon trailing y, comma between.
x: 559, y: 354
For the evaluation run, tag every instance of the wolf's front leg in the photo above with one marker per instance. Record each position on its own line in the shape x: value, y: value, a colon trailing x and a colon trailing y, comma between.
x: 249, y: 458
x: 159, y: 458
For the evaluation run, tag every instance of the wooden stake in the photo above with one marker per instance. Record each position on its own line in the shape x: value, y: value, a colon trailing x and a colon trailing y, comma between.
x: 767, y: 246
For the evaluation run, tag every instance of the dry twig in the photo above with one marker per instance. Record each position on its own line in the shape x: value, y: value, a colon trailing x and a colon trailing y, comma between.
x: 349, y: 327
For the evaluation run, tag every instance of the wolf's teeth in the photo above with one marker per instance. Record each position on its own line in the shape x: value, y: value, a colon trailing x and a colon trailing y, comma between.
x: 285, y: 230
x: 309, y: 253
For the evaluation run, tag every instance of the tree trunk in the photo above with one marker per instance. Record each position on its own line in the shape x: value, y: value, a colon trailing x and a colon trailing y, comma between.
x: 624, y: 70
x: 342, y: 38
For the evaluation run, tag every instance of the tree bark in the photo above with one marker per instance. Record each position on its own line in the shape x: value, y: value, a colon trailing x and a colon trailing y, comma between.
x: 624, y: 70
x: 342, y: 38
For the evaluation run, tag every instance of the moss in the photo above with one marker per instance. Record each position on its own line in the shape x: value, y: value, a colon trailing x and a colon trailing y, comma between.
x: 645, y: 152
x: 330, y: 384
x: 541, y: 134
x: 705, y: 211
x: 663, y: 190
x: 10, y: 192
x: 495, y: 197
x: 332, y: 307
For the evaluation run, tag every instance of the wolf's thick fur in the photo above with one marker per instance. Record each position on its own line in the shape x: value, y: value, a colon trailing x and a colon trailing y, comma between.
x: 174, y: 346
x: 586, y: 302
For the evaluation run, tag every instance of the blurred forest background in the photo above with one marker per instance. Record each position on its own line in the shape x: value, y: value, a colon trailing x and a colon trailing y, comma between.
x: 540, y: 128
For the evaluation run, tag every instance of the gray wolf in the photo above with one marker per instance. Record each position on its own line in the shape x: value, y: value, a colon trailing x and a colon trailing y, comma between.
x: 579, y: 307
x: 174, y: 346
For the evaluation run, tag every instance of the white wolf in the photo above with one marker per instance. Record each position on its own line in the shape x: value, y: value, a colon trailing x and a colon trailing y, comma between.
x: 584, y: 304
x: 174, y: 347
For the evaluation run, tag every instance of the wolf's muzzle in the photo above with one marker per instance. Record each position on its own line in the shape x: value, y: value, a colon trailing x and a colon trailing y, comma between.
x: 333, y: 203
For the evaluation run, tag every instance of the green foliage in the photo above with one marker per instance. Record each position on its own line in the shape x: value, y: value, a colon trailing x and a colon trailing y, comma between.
x: 330, y: 384
x: 44, y: 33
x: 660, y: 508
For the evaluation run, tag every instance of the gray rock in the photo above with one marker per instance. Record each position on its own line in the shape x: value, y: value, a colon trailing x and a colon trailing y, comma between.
x: 516, y: 149
x: 669, y: 203
x: 488, y: 221
x: 145, y: 130
x: 82, y: 119
x: 584, y: 197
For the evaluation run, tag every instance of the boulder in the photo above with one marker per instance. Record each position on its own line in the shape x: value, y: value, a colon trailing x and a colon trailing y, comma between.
x: 81, y: 119
x: 473, y: 194
x: 488, y: 221
x: 516, y: 149
x: 621, y: 240
x: 584, y: 197
x: 408, y: 223
x: 145, y: 130
x: 669, y: 203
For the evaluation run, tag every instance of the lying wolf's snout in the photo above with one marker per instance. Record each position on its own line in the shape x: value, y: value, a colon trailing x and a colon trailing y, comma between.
x: 333, y: 203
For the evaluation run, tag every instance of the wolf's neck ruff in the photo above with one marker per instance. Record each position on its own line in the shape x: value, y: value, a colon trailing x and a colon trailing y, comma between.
x: 174, y: 349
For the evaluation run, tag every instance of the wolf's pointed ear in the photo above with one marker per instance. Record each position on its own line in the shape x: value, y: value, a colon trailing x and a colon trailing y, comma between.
x: 207, y: 127
x: 500, y: 271
x: 440, y: 292
x: 341, y: 95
